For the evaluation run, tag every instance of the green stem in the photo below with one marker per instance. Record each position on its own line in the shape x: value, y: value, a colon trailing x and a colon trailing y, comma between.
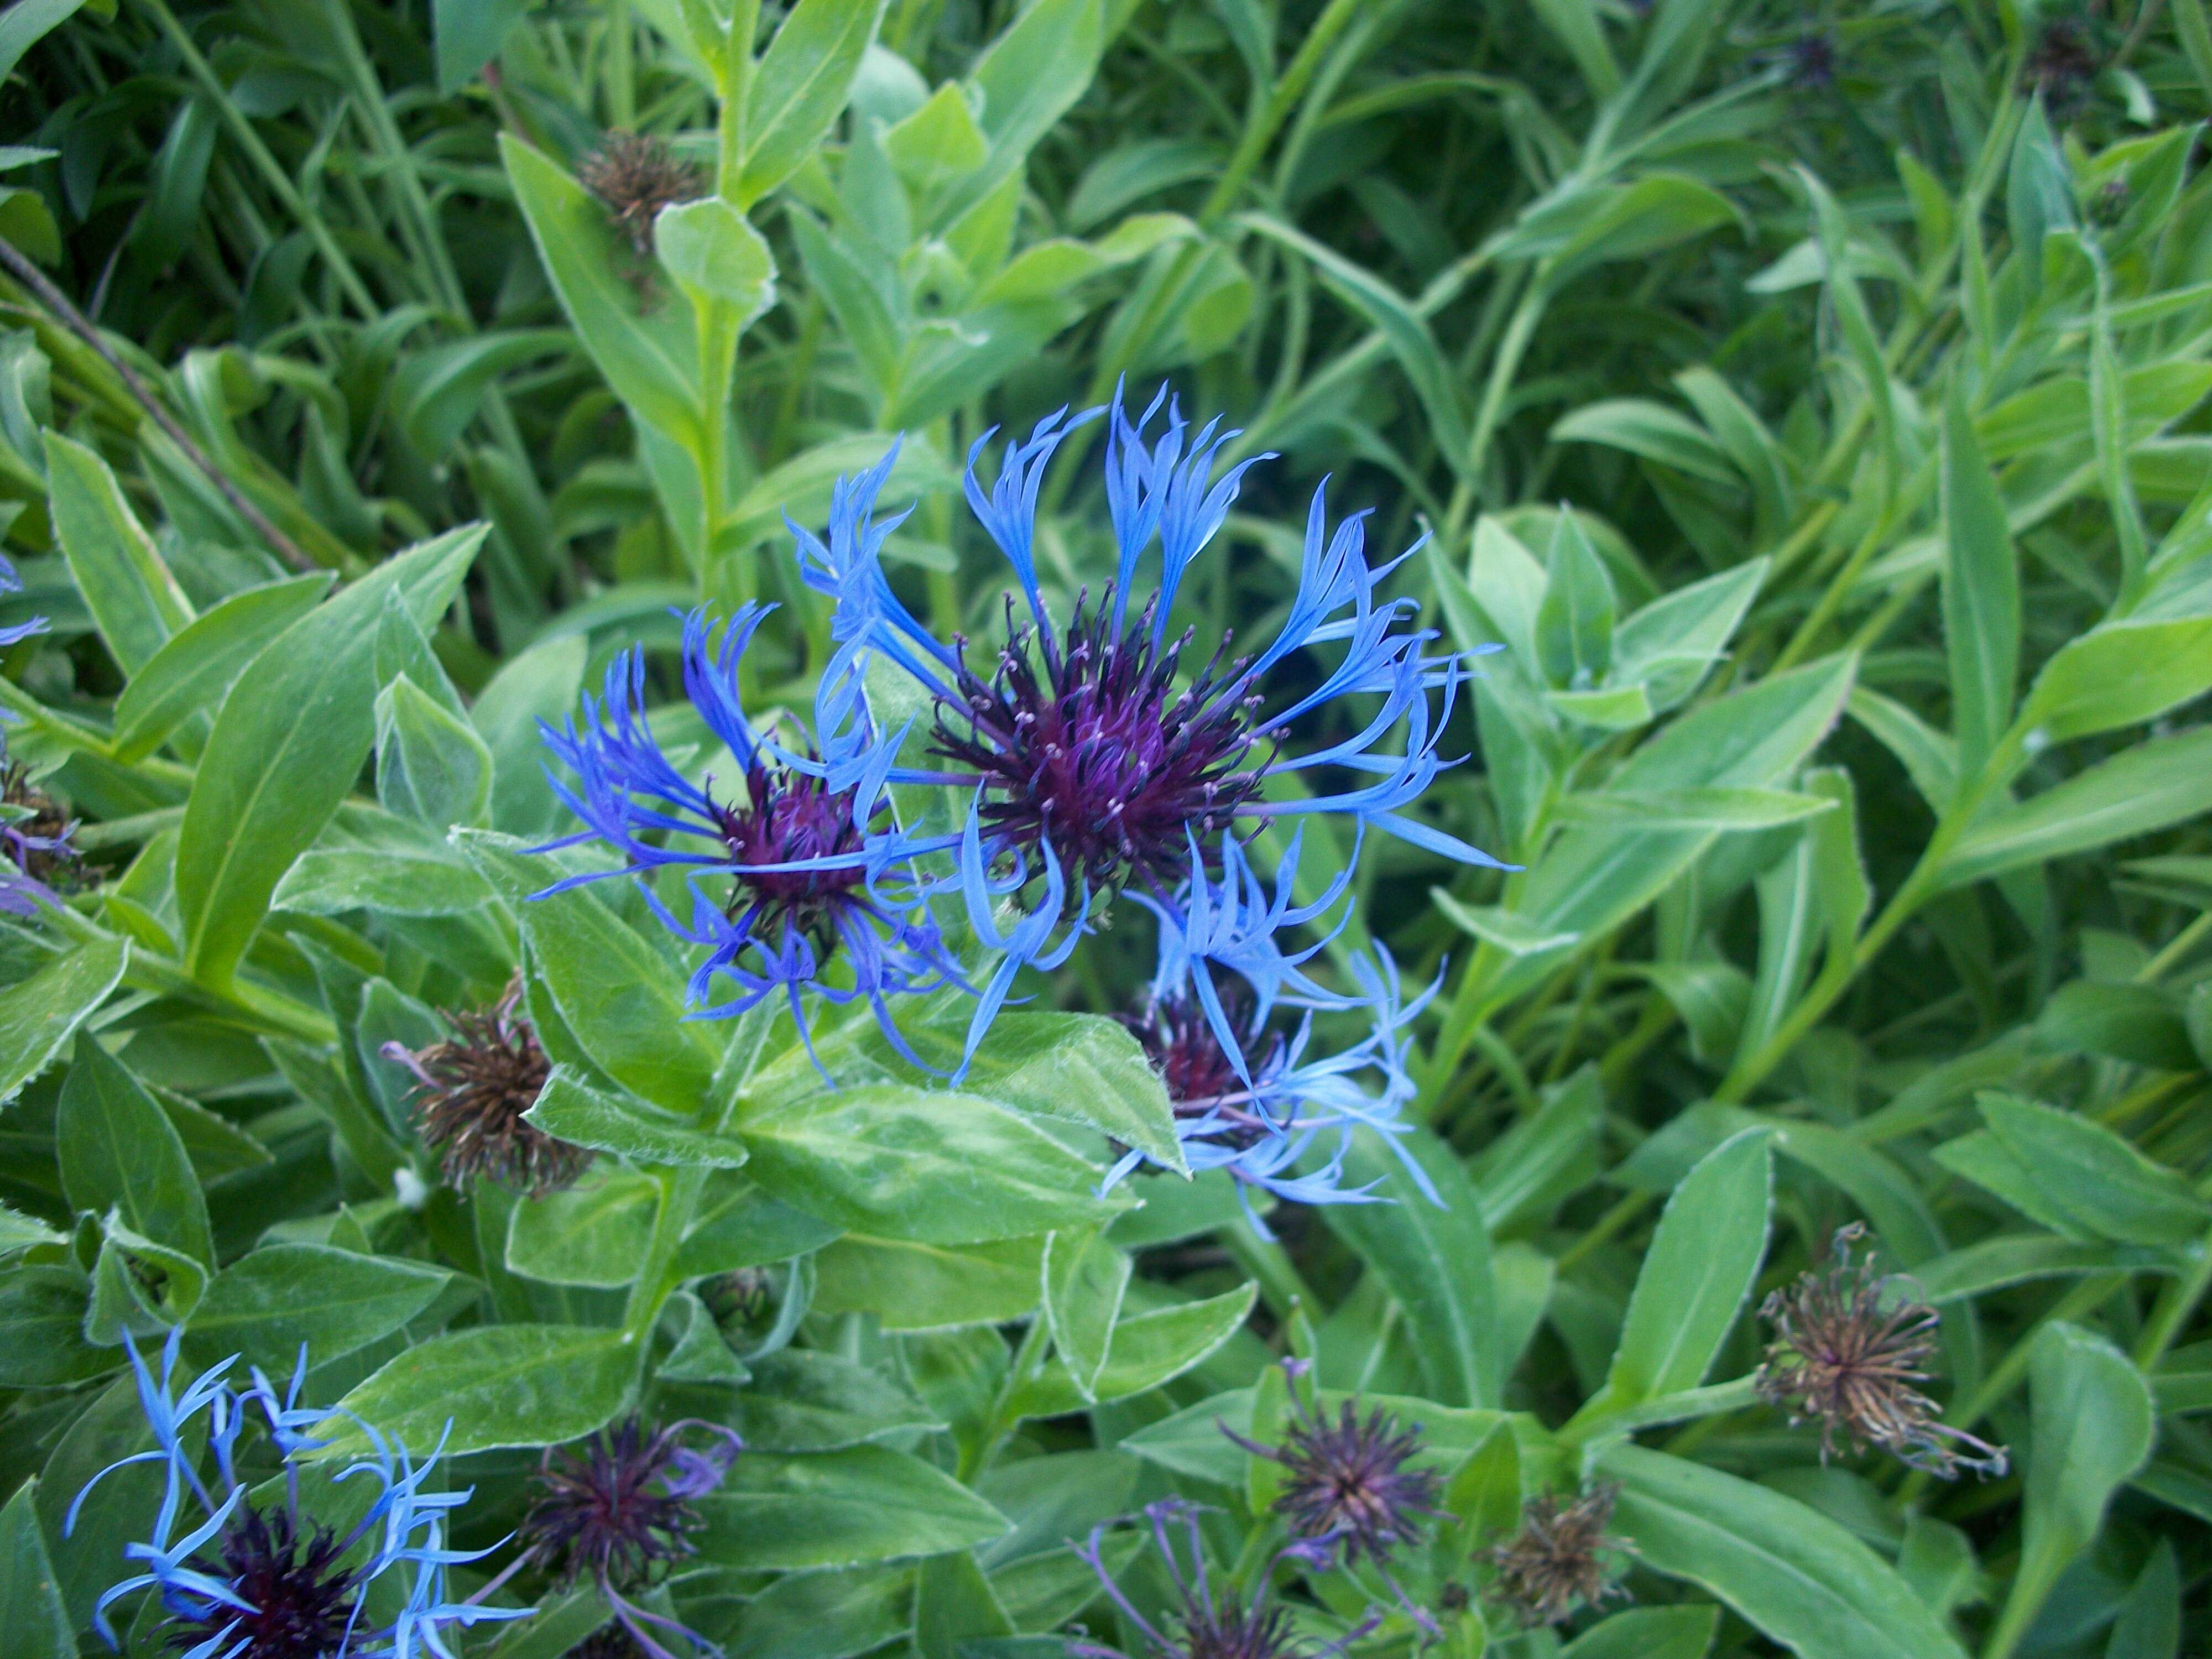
x: 679, y: 1191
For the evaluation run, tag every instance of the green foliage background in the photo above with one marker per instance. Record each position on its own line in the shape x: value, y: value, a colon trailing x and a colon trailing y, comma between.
x: 1809, y: 398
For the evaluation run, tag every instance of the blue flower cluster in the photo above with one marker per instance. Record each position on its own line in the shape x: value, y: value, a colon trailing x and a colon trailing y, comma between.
x: 21, y: 892
x: 255, y: 1572
x: 1089, y: 763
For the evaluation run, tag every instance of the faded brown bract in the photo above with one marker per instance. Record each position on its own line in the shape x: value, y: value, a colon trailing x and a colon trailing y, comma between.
x: 471, y: 1093
x: 1562, y: 1559
x: 636, y: 175
x: 1850, y: 1347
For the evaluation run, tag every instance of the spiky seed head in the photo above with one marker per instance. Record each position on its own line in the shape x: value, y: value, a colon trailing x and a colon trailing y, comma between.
x: 635, y: 175
x: 1562, y: 1559
x: 1850, y: 1347
x: 470, y: 1093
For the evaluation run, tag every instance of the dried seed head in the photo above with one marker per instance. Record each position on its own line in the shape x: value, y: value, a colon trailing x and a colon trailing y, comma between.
x: 471, y: 1091
x: 1562, y: 1557
x: 1347, y: 1483
x: 2062, y: 65
x: 635, y: 175
x: 1841, y: 1356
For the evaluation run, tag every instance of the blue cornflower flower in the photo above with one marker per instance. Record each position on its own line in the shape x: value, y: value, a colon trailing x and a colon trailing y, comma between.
x: 1249, y: 1097
x: 34, y: 841
x: 1093, y: 765
x: 21, y: 845
x: 814, y: 883
x: 12, y: 582
x: 1207, y: 1624
x: 265, y: 1580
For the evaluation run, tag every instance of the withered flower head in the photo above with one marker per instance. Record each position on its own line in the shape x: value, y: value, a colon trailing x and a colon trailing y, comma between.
x: 613, y: 1640
x: 635, y: 175
x: 1562, y: 1557
x: 1839, y: 1355
x: 471, y: 1091
x: 2062, y: 65
x: 1345, y: 1480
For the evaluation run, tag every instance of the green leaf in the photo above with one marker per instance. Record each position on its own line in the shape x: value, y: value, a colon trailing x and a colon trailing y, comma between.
x: 594, y: 1234
x: 827, y: 1615
x: 1701, y: 1265
x: 621, y: 997
x: 795, y: 1514
x: 1435, y: 1259
x: 2089, y: 1173
x: 1787, y: 1570
x: 431, y: 766
x: 1077, y: 1069
x: 1653, y: 431
x: 2121, y: 673
x: 1694, y: 808
x: 1648, y: 1633
x: 1439, y: 386
x: 1147, y: 1349
x: 42, y: 1320
x: 24, y: 24
x: 570, y: 1109
x: 468, y: 33
x: 38, y: 1015
x: 2142, y: 1024
x: 491, y: 1386
x: 717, y: 258
x: 2092, y: 1425
x: 1576, y: 24
x: 646, y: 357
x: 901, y: 1162
x: 803, y: 1400
x: 1574, y: 623
x: 1595, y: 876
x: 1981, y: 590
x: 131, y: 595
x: 270, y: 1302
x: 1085, y: 1280
x: 738, y: 1225
x: 2161, y: 781
x: 2009, y: 1259
x: 799, y: 88
x: 119, y: 1151
x: 911, y: 1287
x: 1026, y: 82
x: 406, y: 871
x: 286, y: 746
x: 1516, y: 935
x: 193, y: 669
x: 31, y: 1607
x: 437, y: 390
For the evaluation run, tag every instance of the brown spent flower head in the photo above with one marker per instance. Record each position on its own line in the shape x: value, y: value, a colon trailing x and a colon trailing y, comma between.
x: 1346, y: 1482
x: 1562, y: 1557
x: 471, y: 1091
x: 1839, y: 1356
x: 2062, y: 65
x: 635, y: 175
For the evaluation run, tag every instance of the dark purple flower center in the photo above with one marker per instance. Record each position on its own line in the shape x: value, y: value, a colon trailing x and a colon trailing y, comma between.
x: 789, y: 817
x: 622, y: 1504
x: 1229, y: 1629
x: 1347, y: 1480
x: 1181, y: 1042
x: 301, y: 1596
x: 1101, y: 756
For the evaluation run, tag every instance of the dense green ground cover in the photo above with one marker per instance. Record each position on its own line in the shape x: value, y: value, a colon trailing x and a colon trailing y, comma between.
x: 1806, y: 400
